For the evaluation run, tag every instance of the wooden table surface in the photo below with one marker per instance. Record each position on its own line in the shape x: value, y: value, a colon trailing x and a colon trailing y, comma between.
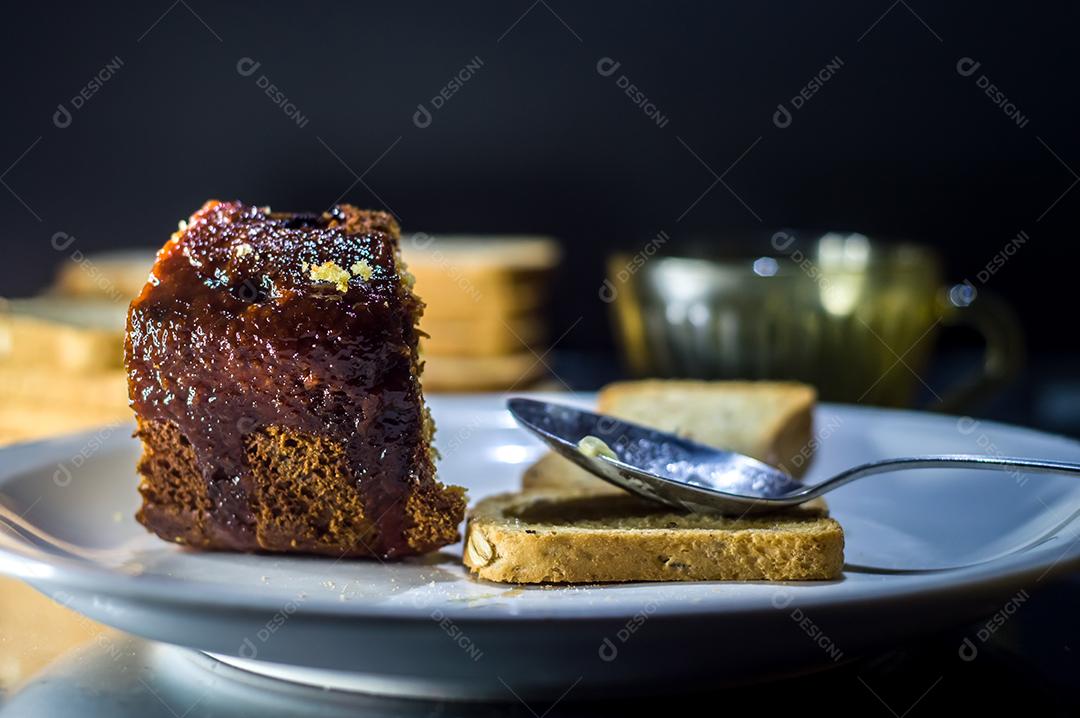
x: 34, y: 630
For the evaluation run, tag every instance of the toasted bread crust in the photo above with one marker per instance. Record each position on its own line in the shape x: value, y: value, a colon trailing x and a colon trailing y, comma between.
x: 776, y: 438
x: 481, y: 373
x: 584, y: 537
x: 781, y: 436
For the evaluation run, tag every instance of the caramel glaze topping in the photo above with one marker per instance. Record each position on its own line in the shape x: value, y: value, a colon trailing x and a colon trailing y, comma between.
x: 233, y: 334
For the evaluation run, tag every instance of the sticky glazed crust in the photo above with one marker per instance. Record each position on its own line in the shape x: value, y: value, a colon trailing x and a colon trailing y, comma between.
x: 273, y: 369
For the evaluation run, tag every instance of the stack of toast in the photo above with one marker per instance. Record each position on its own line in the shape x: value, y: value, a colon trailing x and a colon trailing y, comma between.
x: 485, y: 300
x: 61, y: 353
x: 567, y: 526
x: 118, y: 275
x: 483, y: 325
x: 61, y: 366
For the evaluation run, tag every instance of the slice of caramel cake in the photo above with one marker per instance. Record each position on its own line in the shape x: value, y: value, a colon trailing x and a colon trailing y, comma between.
x: 273, y: 369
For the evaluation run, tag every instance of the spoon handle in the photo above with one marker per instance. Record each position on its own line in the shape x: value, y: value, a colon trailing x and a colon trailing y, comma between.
x: 943, y: 461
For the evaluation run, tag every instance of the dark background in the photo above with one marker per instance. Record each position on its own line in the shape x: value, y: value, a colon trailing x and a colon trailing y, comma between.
x: 897, y: 143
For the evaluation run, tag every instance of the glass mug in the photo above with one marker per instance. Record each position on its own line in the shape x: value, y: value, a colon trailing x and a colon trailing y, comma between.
x: 854, y: 317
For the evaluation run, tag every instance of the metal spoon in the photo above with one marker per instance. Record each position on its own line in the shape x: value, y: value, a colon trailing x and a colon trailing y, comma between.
x: 682, y: 473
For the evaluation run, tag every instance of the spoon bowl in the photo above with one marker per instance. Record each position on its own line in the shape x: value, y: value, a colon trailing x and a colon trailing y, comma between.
x: 687, y: 475
x: 659, y: 466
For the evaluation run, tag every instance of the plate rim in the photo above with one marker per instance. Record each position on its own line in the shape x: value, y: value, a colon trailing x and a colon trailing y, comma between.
x: 72, y: 576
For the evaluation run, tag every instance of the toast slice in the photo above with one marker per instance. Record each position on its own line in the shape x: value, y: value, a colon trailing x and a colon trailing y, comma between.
x: 770, y: 421
x: 481, y: 373
x: 490, y: 336
x: 480, y: 278
x: 118, y: 275
x: 64, y: 390
x: 583, y: 537
x: 28, y: 420
x: 70, y: 335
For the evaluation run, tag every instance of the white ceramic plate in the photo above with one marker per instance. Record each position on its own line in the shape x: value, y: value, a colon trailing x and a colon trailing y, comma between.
x: 925, y: 550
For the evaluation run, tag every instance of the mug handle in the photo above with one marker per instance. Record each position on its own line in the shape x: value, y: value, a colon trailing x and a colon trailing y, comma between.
x: 1004, y: 356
